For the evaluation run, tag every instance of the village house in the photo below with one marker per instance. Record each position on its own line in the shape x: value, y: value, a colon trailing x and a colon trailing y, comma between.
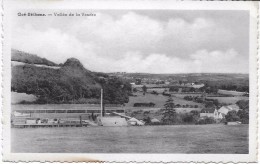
x: 226, y: 109
x: 220, y: 113
x: 211, y: 112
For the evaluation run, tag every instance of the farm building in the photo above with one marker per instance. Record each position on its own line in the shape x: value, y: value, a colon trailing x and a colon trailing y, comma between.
x: 211, y: 113
x: 62, y: 110
x: 226, y: 109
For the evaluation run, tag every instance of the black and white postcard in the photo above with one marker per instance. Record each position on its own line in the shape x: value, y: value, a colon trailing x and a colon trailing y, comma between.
x: 121, y: 81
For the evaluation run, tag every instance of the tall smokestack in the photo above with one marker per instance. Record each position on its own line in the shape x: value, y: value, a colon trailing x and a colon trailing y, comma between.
x: 101, y: 103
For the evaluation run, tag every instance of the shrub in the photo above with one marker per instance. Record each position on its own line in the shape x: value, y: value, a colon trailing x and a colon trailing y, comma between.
x: 206, y: 120
x: 151, y: 104
x: 232, y: 116
x: 209, y: 120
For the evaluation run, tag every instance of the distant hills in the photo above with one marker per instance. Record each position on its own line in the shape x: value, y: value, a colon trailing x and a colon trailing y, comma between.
x: 71, y: 83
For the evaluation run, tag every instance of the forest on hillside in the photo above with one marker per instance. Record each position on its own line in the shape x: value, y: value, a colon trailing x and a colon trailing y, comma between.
x: 28, y: 58
x: 72, y: 83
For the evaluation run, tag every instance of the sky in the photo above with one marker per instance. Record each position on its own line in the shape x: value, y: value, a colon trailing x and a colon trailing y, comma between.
x: 147, y: 41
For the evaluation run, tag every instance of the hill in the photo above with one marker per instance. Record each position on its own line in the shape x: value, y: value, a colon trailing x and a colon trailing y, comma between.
x: 71, y: 83
x: 28, y: 58
x: 226, y: 81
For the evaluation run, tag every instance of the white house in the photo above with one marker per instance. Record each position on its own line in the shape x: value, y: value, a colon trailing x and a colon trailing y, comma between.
x: 221, y: 115
x: 211, y: 113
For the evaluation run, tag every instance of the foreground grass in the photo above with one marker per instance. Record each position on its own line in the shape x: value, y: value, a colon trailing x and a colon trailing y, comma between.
x: 212, y: 139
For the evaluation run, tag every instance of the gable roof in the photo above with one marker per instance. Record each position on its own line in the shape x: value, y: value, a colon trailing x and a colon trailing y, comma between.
x: 226, y: 109
x: 233, y: 107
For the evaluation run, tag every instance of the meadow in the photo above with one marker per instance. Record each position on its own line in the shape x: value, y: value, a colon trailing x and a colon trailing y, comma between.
x: 159, y: 100
x: 198, y: 139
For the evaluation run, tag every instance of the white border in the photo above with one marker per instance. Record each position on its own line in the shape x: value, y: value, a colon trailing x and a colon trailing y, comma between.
x: 9, y: 6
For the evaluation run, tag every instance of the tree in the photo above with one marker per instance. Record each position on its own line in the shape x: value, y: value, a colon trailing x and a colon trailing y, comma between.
x: 243, y: 115
x: 144, y: 89
x: 146, y: 118
x: 243, y: 104
x: 209, y: 104
x: 187, y: 118
x: 232, y: 116
x: 169, y: 113
x: 195, y: 113
x: 209, y: 120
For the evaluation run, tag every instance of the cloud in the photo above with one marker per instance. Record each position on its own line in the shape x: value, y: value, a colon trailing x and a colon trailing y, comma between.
x: 218, y: 61
x: 134, y: 42
x: 201, y: 61
x: 51, y: 44
x: 131, y: 32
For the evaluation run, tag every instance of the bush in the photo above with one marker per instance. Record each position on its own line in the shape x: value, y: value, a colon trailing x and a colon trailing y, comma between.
x: 174, y: 89
x: 188, y: 98
x: 206, y: 120
x: 155, y: 93
x: 166, y: 94
x: 232, y: 116
x: 243, y: 115
x: 187, y: 118
x: 210, y: 120
x: 177, y: 106
x: 243, y: 104
x: 151, y: 104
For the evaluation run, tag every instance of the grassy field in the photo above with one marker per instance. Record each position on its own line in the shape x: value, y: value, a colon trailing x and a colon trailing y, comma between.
x: 159, y: 100
x: 199, y: 139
